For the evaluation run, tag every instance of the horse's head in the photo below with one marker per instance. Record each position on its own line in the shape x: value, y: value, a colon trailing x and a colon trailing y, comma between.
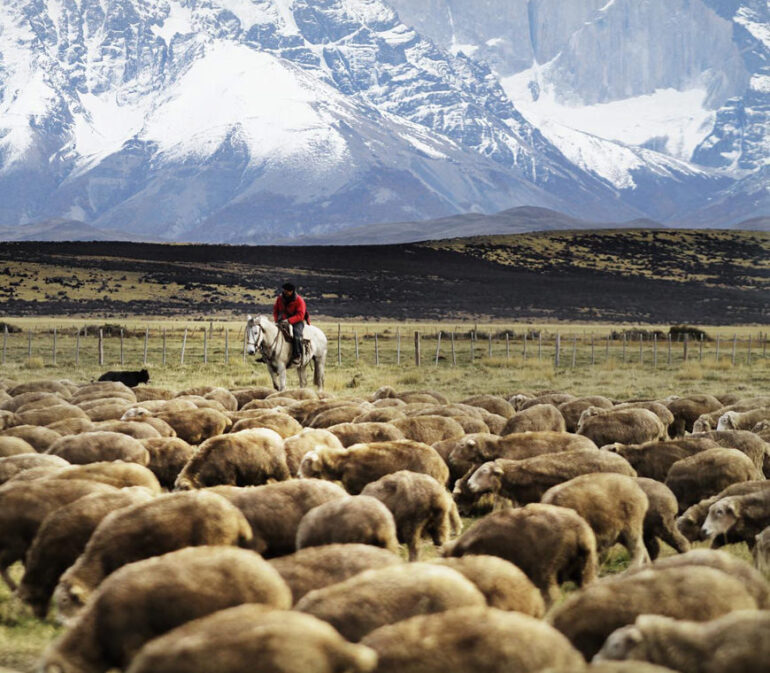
x: 254, y: 334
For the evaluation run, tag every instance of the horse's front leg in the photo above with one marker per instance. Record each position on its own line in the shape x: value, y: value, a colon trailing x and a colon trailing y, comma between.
x: 281, y: 377
x: 274, y: 376
x: 302, y: 371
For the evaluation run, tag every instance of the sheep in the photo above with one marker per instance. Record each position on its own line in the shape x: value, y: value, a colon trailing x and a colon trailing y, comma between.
x: 494, y: 404
x: 358, y: 433
x: 614, y: 505
x: 744, y: 516
x: 317, y: 567
x: 201, y: 402
x: 761, y: 551
x: 146, y: 599
x: 108, y: 411
x: 525, y: 481
x: 660, y: 520
x: 295, y: 394
x: 40, y: 438
x: 709, y: 421
x: 10, y: 466
x: 387, y: 595
x: 654, y: 459
x: 752, y: 580
x: 224, y: 397
x: 13, y: 446
x: 708, y: 472
x: 537, y: 418
x: 24, y: 506
x: 73, y: 426
x: 357, y: 518
x: 657, y: 408
x: 254, y: 638
x: 49, y: 414
x: 503, y: 584
x: 361, y: 464
x: 550, y: 544
x: 144, y: 393
x: 41, y: 386
x: 448, y: 410
x: 297, y: 446
x: 163, y: 524
x: 8, y: 420
x: 336, y: 415
x: 244, y: 458
x: 483, y: 640
x: 101, y: 390
x: 387, y: 402
x: 168, y: 456
x: 380, y: 415
x: 196, y: 425
x: 742, y: 440
x: 429, y: 396
x: 626, y: 426
x: 691, y: 520
x: 114, y: 473
x: 274, y: 511
x: 136, y: 429
x: 698, y: 593
x: 687, y: 410
x: 161, y: 427
x: 429, y: 429
x: 17, y: 402
x: 555, y: 398
x: 571, y: 411
x: 466, y: 452
x: 92, y: 447
x: 734, y: 642
x: 420, y: 506
x: 62, y: 537
x: 283, y: 424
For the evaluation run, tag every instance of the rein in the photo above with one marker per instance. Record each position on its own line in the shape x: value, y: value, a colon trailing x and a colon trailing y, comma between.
x: 267, y: 351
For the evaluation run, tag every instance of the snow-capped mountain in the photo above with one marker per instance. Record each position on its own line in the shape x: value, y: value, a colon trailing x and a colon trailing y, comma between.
x: 243, y: 120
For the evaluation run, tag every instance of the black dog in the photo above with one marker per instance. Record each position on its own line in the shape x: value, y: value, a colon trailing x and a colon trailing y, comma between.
x: 130, y: 379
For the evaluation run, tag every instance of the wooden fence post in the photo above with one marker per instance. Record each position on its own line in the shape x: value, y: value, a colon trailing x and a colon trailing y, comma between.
x: 624, y: 347
x: 556, y: 353
x: 355, y: 338
x: 669, y: 349
x: 735, y: 345
x: 163, y: 357
x: 716, y: 357
x: 339, y: 344
x: 101, y: 347
x: 77, y: 347
x: 473, y: 347
x: 205, y: 347
x: 700, y: 349
x: 684, y: 346
x: 245, y: 344
x: 654, y: 351
x: 121, y: 346
x: 454, y: 355
x: 748, y: 353
x: 184, y: 345
x: 416, y: 349
x: 574, y: 351
x: 146, y: 344
x: 524, y: 354
x: 398, y: 345
x: 376, y: 350
x: 507, y: 347
x: 607, y: 349
x: 5, y: 342
x: 641, y: 348
x: 540, y: 345
x: 438, y: 346
x: 53, y: 352
x: 227, y: 346
x: 489, y: 344
x: 593, y: 358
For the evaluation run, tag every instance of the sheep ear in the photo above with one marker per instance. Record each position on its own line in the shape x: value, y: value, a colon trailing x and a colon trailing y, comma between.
x: 497, y: 469
x: 730, y: 508
x: 78, y: 592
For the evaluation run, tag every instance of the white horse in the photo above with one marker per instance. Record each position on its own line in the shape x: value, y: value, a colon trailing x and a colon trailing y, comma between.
x: 263, y: 335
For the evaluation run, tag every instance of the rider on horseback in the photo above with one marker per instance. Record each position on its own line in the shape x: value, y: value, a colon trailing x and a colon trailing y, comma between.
x: 290, y: 308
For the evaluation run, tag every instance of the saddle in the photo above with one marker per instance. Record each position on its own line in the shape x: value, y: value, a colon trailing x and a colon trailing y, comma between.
x: 288, y: 333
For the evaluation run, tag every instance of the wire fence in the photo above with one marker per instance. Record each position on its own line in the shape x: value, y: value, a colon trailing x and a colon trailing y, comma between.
x: 219, y: 343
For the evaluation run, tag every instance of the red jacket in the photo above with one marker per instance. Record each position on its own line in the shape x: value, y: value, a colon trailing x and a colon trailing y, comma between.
x: 294, y: 312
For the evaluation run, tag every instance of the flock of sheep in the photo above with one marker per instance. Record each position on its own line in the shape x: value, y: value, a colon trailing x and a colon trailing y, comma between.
x: 247, y: 530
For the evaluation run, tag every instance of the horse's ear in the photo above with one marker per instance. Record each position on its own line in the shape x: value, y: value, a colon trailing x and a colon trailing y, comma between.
x: 249, y: 318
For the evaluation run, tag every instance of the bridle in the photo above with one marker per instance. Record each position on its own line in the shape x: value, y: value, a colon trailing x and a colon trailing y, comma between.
x: 259, y: 342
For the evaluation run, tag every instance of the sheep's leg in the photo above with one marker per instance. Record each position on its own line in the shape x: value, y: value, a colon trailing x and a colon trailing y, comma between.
x: 671, y: 536
x: 637, y: 550
x: 414, y: 553
x: 7, y: 578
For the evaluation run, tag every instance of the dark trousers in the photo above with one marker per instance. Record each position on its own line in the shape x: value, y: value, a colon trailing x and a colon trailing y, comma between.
x: 297, y: 341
